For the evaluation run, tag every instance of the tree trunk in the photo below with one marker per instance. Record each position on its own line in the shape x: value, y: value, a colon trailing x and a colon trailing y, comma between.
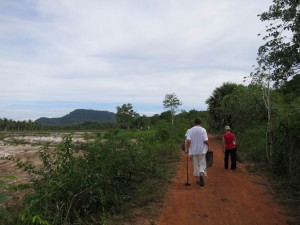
x: 269, y: 136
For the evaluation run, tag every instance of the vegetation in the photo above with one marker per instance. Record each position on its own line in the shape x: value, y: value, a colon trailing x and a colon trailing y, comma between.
x: 172, y: 102
x: 11, y: 125
x: 103, y: 181
x: 126, y: 115
x: 279, y: 56
x: 96, y: 181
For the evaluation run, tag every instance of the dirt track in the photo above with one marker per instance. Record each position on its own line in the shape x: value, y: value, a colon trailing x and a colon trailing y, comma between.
x: 228, y: 198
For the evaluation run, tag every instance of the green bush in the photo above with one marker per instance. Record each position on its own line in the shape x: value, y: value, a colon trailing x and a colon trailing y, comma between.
x: 252, y: 146
x: 103, y: 178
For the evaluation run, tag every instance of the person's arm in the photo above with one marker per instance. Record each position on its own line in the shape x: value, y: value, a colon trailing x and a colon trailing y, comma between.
x: 223, y: 144
x: 187, y: 145
x: 206, y: 143
x: 235, y: 142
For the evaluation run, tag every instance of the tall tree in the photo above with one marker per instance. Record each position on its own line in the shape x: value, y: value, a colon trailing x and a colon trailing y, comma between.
x: 279, y: 58
x: 280, y: 55
x: 215, y: 106
x: 172, y: 103
x: 125, y: 115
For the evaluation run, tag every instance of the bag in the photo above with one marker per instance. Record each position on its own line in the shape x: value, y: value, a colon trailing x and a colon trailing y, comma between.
x: 209, y: 158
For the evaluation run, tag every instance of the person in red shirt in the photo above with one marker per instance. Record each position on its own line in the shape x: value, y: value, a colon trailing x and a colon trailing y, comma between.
x: 229, y: 144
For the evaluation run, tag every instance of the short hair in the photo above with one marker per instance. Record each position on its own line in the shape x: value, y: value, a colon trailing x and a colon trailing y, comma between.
x: 197, y: 120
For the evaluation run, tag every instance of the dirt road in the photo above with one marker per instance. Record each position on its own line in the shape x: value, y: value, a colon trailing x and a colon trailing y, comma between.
x: 228, y: 198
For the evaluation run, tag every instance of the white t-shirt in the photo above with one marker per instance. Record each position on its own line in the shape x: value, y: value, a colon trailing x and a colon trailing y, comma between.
x: 197, y: 135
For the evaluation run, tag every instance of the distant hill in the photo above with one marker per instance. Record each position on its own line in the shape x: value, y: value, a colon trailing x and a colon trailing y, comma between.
x: 79, y: 116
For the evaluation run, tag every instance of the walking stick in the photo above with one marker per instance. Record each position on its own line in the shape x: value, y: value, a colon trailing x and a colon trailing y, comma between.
x: 187, y: 170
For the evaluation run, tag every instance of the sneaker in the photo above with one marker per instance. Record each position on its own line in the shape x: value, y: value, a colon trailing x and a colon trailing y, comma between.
x: 201, y: 180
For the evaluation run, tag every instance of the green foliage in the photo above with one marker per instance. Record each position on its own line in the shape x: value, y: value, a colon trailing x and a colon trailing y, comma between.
x: 252, y: 146
x: 10, y: 125
x: 266, y: 121
x: 189, y: 117
x: 218, y: 117
x: 106, y: 177
x: 244, y: 108
x: 280, y: 54
x: 3, y: 197
x: 126, y: 115
x: 287, y: 152
x: 5, y: 216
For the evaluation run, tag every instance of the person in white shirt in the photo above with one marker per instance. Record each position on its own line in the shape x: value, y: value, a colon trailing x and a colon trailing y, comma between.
x: 197, y: 146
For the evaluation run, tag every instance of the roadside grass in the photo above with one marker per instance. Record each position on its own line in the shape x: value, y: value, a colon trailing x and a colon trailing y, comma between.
x: 280, y: 187
x: 6, y: 189
x: 146, y: 205
x: 153, y: 158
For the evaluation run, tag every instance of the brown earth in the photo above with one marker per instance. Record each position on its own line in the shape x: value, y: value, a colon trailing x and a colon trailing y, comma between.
x: 228, y: 198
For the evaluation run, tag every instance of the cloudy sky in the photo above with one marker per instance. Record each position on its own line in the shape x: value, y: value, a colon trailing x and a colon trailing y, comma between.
x: 60, y: 55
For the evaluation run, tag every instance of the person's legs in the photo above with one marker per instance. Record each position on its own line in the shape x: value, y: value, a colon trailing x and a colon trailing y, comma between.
x: 196, y: 165
x: 202, y: 169
x: 233, y: 159
x: 202, y: 164
x: 205, y: 166
x: 226, y: 159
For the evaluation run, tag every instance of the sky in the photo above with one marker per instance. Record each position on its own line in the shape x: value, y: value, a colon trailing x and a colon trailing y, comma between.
x: 60, y: 55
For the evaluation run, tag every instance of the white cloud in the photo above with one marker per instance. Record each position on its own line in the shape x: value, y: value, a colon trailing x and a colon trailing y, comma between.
x: 60, y: 55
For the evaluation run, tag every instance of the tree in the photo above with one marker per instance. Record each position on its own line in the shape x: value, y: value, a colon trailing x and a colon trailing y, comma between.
x: 278, y: 59
x: 142, y: 122
x: 279, y: 56
x: 215, y: 106
x: 172, y: 102
x: 245, y: 108
x: 291, y: 89
x: 125, y: 115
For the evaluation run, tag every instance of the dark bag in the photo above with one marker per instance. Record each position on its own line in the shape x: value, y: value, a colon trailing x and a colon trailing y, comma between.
x: 209, y: 158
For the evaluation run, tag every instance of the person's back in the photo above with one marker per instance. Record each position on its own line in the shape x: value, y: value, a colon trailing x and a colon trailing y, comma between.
x: 229, y: 140
x: 197, y: 135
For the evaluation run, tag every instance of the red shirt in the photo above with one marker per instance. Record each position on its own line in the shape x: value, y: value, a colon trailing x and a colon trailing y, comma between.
x: 229, y: 140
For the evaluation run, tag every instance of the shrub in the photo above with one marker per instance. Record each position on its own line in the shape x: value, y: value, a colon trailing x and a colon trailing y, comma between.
x: 104, y: 178
x: 252, y: 146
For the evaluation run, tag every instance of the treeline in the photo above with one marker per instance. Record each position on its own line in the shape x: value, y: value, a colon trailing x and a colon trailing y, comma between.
x: 267, y: 124
x: 12, y: 125
x: 125, y: 119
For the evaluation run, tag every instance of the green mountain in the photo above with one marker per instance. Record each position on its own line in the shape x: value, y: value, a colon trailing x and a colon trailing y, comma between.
x: 79, y: 116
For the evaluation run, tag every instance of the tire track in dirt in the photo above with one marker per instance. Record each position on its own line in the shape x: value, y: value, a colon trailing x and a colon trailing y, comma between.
x: 228, y: 198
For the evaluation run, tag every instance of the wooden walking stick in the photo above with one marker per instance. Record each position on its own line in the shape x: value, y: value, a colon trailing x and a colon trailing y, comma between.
x: 187, y: 170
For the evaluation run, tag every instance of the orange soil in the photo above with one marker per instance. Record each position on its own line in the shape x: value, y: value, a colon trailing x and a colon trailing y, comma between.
x: 228, y: 198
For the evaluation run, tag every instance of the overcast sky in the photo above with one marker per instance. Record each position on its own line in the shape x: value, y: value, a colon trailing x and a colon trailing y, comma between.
x: 60, y: 55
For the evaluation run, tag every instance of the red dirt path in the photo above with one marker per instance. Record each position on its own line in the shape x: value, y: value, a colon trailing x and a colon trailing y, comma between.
x: 228, y: 198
